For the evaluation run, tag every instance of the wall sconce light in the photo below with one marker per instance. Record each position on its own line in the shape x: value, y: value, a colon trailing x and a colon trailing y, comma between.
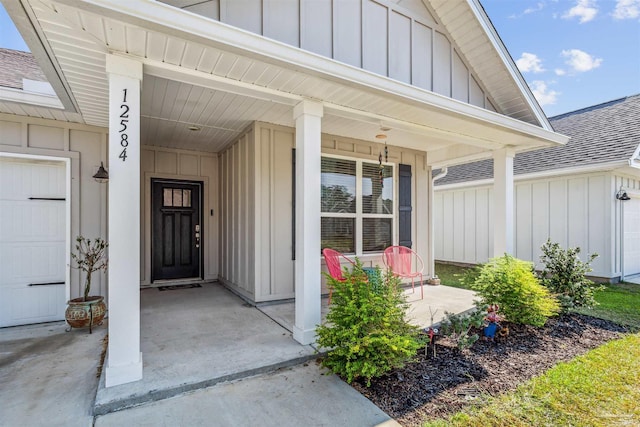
x: 622, y: 195
x: 101, y: 175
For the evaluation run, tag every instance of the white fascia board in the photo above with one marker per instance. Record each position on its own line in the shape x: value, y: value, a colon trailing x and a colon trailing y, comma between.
x: 634, y: 161
x: 22, y: 97
x: 603, y: 167
x: 26, y: 23
x: 189, y: 26
x: 503, y: 53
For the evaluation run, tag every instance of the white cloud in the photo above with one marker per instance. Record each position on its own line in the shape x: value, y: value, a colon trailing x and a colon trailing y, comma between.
x: 627, y: 9
x: 529, y: 63
x: 560, y: 72
x: 543, y: 94
x: 584, y: 9
x: 538, y: 7
x: 580, y: 61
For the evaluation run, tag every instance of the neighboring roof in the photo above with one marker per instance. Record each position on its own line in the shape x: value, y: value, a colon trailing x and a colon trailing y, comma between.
x: 603, y: 133
x: 15, y: 66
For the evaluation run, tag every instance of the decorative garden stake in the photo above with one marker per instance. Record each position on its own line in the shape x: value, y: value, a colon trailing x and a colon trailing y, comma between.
x: 431, y: 333
x: 492, y: 322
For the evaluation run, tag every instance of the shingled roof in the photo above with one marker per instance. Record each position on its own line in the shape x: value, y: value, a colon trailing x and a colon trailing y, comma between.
x: 603, y: 133
x: 16, y: 65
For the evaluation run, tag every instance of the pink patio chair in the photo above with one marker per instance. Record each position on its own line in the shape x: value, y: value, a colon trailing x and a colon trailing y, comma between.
x: 400, y: 260
x: 332, y: 259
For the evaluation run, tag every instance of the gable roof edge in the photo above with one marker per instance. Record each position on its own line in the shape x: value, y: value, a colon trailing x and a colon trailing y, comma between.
x: 502, y: 51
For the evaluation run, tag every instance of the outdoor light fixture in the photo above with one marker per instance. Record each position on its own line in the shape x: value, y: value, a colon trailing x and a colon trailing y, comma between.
x: 101, y: 175
x: 622, y: 195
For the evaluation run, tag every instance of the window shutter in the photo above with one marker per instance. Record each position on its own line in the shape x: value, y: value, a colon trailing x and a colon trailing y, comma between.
x: 404, y: 202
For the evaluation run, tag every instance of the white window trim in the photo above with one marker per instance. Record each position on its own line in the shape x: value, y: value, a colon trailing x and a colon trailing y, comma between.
x: 359, y: 215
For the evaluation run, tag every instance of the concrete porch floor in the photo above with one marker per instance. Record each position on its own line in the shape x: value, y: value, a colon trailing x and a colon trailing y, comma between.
x: 194, y: 338
x: 437, y: 300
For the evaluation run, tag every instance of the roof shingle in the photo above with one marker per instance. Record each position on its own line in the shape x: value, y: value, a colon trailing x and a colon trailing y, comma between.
x: 16, y: 65
x: 601, y: 133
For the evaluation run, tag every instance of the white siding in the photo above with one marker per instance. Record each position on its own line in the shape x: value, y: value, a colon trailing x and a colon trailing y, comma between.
x: 572, y: 211
x: 347, y: 32
x: 316, y: 28
x: 400, y: 47
x: 422, y: 56
x: 237, y: 211
x: 256, y: 242
x: 374, y: 35
x: 442, y: 65
x: 397, y: 39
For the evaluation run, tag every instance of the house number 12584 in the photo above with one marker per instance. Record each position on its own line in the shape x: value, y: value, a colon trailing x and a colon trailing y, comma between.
x: 124, y: 119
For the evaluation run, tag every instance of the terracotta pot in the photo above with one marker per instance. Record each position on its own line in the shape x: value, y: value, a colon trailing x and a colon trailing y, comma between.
x: 80, y: 313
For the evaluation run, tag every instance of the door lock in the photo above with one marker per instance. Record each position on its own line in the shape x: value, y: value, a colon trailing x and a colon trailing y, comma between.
x: 197, y: 235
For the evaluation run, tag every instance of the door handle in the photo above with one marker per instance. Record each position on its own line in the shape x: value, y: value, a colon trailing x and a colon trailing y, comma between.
x: 197, y: 236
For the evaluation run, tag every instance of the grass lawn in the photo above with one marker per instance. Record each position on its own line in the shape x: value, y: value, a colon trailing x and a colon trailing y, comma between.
x: 601, y: 388
x: 450, y: 274
x: 619, y: 303
x: 591, y: 390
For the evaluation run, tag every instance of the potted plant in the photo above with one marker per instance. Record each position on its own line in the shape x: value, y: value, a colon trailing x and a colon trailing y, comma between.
x: 89, y: 256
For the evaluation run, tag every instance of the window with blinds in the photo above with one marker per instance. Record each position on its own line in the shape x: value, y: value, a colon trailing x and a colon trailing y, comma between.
x: 357, y: 205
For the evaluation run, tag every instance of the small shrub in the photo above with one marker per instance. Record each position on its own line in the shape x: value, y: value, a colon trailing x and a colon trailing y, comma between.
x: 511, y: 283
x: 366, y: 328
x: 565, y: 276
x: 458, y: 327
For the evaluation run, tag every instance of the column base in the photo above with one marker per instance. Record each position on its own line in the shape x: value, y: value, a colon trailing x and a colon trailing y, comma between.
x: 116, y: 375
x: 304, y: 336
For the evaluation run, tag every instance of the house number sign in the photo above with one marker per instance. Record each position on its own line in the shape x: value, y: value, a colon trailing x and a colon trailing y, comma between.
x: 124, y: 119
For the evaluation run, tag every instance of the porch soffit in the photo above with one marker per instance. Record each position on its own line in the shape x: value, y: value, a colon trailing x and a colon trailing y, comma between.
x: 190, y: 81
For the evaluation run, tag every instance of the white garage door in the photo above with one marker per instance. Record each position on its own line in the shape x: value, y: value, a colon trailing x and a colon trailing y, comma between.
x: 32, y: 241
x: 632, y: 237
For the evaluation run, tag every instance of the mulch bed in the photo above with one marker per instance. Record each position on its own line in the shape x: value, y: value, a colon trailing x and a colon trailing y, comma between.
x: 431, y: 388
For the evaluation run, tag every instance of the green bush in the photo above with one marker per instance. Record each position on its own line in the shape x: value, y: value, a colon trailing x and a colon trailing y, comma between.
x: 366, y: 328
x: 565, y: 276
x: 458, y: 326
x: 511, y: 283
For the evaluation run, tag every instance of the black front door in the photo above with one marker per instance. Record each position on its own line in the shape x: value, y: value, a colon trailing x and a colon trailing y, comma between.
x: 177, y: 231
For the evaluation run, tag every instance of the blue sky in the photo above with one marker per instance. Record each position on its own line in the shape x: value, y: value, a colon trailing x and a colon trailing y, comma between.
x: 572, y: 53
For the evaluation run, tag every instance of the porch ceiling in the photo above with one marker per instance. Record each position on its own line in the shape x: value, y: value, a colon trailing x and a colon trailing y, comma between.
x: 221, y: 88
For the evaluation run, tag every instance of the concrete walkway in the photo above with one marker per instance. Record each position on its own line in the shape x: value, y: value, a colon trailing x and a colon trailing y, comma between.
x: 209, y: 359
x: 291, y: 397
x: 48, y: 376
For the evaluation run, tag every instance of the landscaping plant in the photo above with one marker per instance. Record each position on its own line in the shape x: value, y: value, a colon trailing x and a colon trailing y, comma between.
x: 458, y: 326
x: 512, y: 284
x: 90, y: 256
x: 365, y: 329
x: 564, y: 275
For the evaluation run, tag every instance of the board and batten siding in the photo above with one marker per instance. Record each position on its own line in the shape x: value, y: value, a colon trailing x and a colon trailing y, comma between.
x: 86, y: 147
x: 630, y: 184
x: 256, y: 207
x: 237, y: 212
x: 400, y: 40
x: 167, y: 163
x: 573, y: 210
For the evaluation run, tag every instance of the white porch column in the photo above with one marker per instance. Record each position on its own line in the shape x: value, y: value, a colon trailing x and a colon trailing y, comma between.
x: 503, y: 202
x: 308, y: 117
x: 124, y: 358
